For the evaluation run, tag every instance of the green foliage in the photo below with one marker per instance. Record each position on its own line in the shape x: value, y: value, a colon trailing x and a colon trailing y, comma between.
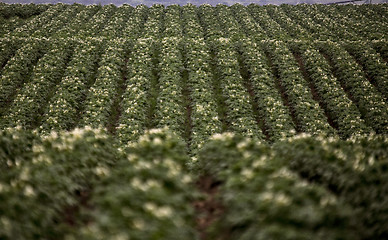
x: 48, y: 178
x: 355, y: 170
x: 263, y: 199
x: 147, y: 195
x: 265, y: 73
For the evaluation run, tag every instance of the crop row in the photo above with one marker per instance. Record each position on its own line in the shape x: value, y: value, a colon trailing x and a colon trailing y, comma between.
x: 67, y: 101
x: 17, y: 70
x: 271, y: 205
x: 30, y: 101
x: 342, y: 111
x: 135, y: 102
x: 47, y: 178
x: 353, y: 170
x: 99, y: 101
x: 78, y: 184
x: 53, y: 181
x: 275, y: 22
x: 369, y: 100
x: 309, y: 116
x: 266, y: 89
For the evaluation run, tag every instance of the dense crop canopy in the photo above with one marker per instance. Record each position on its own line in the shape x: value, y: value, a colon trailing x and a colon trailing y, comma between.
x: 193, y: 122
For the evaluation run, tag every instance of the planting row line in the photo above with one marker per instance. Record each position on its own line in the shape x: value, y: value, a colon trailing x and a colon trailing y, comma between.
x: 205, y: 120
x: 31, y: 99
x: 143, y: 193
x: 18, y: 70
x: 67, y: 102
x: 353, y: 170
x: 368, y: 99
x: 45, y: 180
x: 340, y: 109
x: 307, y: 112
x: 263, y: 199
x: 279, y: 22
x: 373, y: 65
x: 37, y: 22
x: 169, y: 104
x: 99, y: 102
x: 135, y: 101
x: 146, y: 194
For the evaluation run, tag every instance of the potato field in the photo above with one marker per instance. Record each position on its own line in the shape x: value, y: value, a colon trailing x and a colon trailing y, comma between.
x: 193, y: 122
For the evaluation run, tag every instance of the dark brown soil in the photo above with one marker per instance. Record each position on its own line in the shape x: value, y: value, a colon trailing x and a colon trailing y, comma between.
x: 210, y: 208
x: 71, y: 214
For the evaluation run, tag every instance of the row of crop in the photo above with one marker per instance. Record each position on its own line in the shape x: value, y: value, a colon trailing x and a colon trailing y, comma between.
x: 275, y: 114
x: 153, y: 27
x: 239, y: 108
x: 44, y: 180
x: 247, y: 22
x: 263, y: 199
x: 97, y: 22
x: 67, y: 101
x: 339, y: 107
x: 135, y: 101
x: 308, y: 114
x: 146, y: 195
x: 37, y: 22
x: 365, y: 25
x: 172, y: 21
x: 228, y: 23
x: 292, y: 27
x: 191, y: 22
x: 22, y: 10
x: 8, y: 48
x: 29, y: 102
x: 301, y: 17
x: 169, y: 104
x: 59, y: 21
x: 134, y: 26
x: 204, y: 116
x: 18, y: 70
x: 209, y: 23
x: 272, y: 28
x: 77, y: 22
x: 369, y: 101
x: 98, y: 104
x: 117, y: 23
x: 375, y: 68
x: 354, y: 170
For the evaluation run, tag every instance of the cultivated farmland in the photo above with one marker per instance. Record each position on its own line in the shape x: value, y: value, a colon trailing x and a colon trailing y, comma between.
x: 193, y: 122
